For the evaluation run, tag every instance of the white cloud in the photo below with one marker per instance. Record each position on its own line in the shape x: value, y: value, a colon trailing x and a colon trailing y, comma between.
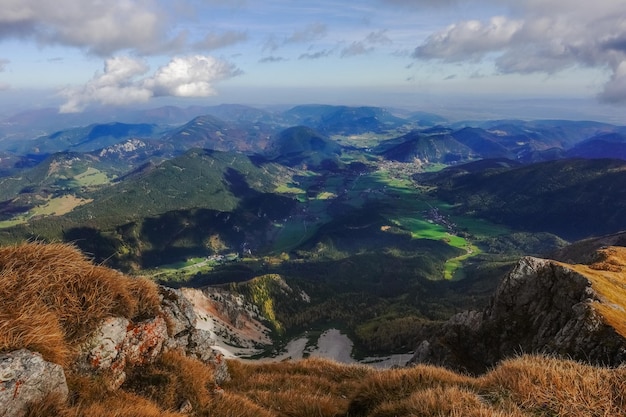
x: 191, y: 76
x: 615, y: 89
x: 540, y: 36
x: 3, y: 64
x: 124, y: 82
x: 101, y: 27
x: 380, y: 37
x: 470, y: 39
x: 309, y: 33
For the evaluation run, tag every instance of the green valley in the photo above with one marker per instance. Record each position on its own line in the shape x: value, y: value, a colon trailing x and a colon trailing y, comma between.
x: 381, y: 228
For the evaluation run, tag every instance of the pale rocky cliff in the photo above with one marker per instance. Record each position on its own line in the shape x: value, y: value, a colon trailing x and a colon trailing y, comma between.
x: 541, y: 306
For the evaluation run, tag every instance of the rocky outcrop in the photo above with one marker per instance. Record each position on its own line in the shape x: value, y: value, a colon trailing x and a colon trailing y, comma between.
x: 25, y: 378
x: 114, y: 347
x: 118, y: 344
x: 541, y: 306
x: 185, y: 334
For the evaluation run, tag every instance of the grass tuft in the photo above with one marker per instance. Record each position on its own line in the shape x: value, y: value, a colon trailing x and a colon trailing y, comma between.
x: 53, y: 296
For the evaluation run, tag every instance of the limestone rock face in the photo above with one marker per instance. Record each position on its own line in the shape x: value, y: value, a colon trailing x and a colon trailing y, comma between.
x: 26, y: 378
x: 541, y: 306
x: 195, y: 342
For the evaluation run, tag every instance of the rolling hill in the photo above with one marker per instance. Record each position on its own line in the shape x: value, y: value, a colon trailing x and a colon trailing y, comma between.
x: 425, y: 148
x: 302, y: 145
x: 343, y: 120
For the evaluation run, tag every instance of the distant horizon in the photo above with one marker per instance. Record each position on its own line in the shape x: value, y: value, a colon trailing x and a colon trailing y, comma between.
x: 427, y: 54
x: 454, y: 108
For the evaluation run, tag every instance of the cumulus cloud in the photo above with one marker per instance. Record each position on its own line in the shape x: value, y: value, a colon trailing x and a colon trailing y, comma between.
x: 124, y: 81
x: 101, y: 27
x: 541, y: 36
x: 470, y: 39
x: 615, y: 89
x: 192, y: 76
x: 378, y: 38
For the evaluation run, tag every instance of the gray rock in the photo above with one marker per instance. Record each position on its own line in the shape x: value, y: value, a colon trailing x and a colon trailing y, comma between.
x: 180, y: 316
x: 118, y: 344
x: 26, y: 378
x: 184, y: 335
x: 541, y: 306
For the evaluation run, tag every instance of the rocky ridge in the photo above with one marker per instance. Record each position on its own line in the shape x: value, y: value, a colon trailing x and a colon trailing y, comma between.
x: 113, y: 348
x: 542, y: 306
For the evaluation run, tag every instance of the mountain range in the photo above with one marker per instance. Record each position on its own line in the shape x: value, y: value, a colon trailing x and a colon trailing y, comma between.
x: 384, y: 218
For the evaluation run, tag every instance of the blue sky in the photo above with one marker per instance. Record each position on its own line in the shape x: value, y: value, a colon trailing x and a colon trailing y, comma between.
x: 86, y: 53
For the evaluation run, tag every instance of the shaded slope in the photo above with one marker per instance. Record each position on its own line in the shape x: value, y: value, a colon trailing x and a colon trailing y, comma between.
x: 214, y: 181
x: 343, y: 120
x: 210, y: 132
x: 426, y: 148
x: 611, y: 145
x: 484, y: 143
x: 571, y: 198
x: 302, y: 145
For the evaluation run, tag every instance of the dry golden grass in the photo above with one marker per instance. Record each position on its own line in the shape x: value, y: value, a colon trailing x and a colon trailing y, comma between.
x: 440, y: 401
x: 398, y: 384
x: 608, y: 279
x: 33, y: 327
x: 234, y: 405
x: 524, y: 386
x: 173, y: 379
x: 552, y: 386
x: 312, y: 387
x: 51, y: 405
x: 53, y: 296
x: 123, y: 404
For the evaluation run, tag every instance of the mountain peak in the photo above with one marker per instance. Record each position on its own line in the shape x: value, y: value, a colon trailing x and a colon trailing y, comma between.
x: 542, y: 305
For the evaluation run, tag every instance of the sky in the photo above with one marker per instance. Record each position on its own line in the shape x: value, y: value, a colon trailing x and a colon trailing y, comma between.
x: 81, y: 54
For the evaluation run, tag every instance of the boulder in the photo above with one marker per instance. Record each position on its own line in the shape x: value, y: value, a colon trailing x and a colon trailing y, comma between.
x: 25, y: 377
x: 118, y: 344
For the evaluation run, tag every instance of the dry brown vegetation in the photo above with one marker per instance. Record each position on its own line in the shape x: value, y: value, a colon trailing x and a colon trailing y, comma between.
x: 608, y: 278
x: 52, y: 295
